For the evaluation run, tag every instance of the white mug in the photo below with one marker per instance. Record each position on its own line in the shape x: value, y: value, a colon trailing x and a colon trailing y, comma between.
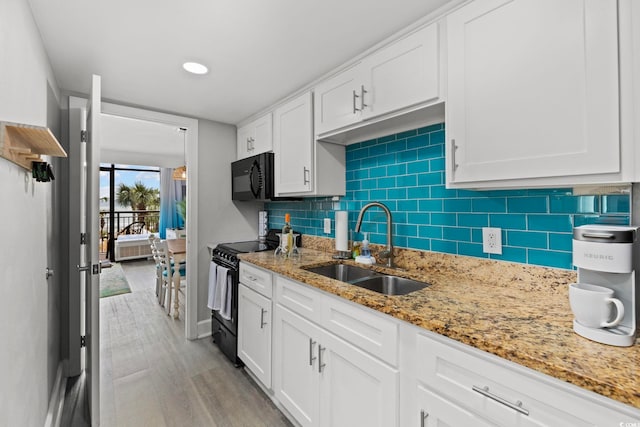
x: 592, y: 305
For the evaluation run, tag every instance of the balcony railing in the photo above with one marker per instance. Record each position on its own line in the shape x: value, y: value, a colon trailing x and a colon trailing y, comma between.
x: 127, y: 222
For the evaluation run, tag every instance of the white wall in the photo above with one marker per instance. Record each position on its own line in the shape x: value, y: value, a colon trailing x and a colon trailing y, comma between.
x: 29, y: 318
x: 219, y: 218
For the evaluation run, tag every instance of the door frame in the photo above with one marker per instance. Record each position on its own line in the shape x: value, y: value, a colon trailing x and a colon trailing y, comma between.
x: 191, y: 155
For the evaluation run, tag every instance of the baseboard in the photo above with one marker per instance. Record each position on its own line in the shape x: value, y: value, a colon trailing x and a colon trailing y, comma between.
x: 56, y: 400
x: 204, y: 328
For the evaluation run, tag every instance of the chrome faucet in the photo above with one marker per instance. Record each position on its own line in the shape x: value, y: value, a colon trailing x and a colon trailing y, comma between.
x: 388, y: 253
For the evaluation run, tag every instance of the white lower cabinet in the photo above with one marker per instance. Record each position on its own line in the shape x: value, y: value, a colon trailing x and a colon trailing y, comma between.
x: 456, y: 383
x: 356, y: 389
x: 433, y: 410
x: 254, y: 333
x: 321, y: 379
x: 324, y: 381
x: 296, y: 380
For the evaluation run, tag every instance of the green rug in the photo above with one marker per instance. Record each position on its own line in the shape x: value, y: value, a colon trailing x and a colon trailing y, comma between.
x: 113, y: 281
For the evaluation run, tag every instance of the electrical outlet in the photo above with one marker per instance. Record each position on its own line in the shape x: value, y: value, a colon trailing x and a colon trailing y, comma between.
x: 327, y: 225
x: 492, y: 240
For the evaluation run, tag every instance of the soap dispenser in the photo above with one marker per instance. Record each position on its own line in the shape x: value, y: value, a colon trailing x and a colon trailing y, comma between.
x: 364, y: 251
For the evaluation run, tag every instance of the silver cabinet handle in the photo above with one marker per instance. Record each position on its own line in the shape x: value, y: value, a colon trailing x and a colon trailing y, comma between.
x: 423, y: 417
x: 248, y: 144
x: 250, y: 278
x: 311, y: 356
x: 515, y: 406
x: 362, y: 92
x: 355, y: 109
x: 305, y: 174
x: 454, y: 148
x: 599, y: 235
x: 320, y: 364
x: 48, y: 273
x: 262, y: 322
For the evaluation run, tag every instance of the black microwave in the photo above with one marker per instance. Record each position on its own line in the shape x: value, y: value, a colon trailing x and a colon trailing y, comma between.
x: 252, y: 178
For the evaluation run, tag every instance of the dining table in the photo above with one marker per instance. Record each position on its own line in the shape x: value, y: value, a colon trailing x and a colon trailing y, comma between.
x: 178, y: 251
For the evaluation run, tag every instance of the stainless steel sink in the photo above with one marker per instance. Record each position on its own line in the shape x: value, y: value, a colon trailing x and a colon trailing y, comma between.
x: 369, y: 279
x: 391, y: 285
x: 343, y: 272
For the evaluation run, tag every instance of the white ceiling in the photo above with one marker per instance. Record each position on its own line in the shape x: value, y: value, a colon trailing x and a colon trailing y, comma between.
x: 258, y: 51
x: 141, y: 142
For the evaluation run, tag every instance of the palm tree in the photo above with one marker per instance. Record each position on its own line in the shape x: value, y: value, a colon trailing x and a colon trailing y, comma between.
x: 139, y: 197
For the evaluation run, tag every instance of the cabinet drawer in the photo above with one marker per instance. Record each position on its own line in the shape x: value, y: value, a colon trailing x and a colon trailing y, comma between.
x: 298, y: 298
x: 362, y: 328
x: 257, y: 279
x: 478, y: 381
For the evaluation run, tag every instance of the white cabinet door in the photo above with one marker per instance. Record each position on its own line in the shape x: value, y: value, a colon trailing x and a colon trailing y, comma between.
x: 244, y: 135
x: 356, y: 388
x: 254, y: 333
x: 255, y: 137
x: 263, y: 135
x: 293, y: 146
x: 404, y: 74
x: 336, y: 101
x: 433, y: 410
x: 532, y: 90
x: 296, y: 378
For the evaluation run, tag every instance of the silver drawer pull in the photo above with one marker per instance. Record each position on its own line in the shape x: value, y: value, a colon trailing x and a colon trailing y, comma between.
x: 423, y: 417
x: 515, y: 406
x: 311, y: 356
x: 262, y: 322
x: 599, y: 235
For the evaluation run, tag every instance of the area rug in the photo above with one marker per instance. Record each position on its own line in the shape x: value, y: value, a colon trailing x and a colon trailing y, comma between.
x: 113, y: 281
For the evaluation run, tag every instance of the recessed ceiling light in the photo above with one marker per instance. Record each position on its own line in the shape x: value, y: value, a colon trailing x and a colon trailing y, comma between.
x: 195, y: 68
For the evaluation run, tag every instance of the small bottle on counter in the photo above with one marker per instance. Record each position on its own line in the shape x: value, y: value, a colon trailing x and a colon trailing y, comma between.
x: 286, y: 239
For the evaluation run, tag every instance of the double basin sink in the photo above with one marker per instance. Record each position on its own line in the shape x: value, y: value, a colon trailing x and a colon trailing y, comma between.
x: 368, y: 279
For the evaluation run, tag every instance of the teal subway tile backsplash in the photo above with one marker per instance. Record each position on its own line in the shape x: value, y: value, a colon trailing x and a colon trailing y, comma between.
x: 405, y: 171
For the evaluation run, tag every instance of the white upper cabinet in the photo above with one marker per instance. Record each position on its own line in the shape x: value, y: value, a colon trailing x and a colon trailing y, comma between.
x: 302, y: 166
x: 402, y: 75
x: 293, y: 146
x: 532, y: 95
x: 335, y: 101
x: 255, y: 137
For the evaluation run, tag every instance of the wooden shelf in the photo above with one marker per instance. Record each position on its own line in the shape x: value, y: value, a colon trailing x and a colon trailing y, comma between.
x: 23, y: 144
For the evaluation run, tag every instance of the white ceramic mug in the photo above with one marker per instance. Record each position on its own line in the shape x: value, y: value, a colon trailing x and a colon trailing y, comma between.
x: 592, y: 305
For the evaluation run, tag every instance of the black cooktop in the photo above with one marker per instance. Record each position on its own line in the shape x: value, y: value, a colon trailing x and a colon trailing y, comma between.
x: 245, y: 247
x: 271, y: 242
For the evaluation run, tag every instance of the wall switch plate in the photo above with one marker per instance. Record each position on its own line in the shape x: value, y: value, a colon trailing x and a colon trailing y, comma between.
x: 327, y: 225
x: 492, y: 240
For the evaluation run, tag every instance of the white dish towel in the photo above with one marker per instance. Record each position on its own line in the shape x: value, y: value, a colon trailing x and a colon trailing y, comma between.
x: 213, y: 277
x: 221, y: 285
x: 226, y: 294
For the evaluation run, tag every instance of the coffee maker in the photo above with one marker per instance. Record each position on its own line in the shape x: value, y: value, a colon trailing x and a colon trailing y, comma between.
x: 607, y: 256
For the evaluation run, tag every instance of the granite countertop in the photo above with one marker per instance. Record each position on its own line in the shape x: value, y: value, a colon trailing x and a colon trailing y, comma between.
x: 518, y: 312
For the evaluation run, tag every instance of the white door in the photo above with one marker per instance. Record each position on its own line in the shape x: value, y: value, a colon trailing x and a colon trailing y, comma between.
x: 296, y: 366
x: 90, y: 227
x: 254, y: 333
x: 356, y: 389
x: 262, y: 135
x: 293, y: 145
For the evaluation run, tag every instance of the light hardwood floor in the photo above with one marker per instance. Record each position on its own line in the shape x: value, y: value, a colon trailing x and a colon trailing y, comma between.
x: 152, y: 376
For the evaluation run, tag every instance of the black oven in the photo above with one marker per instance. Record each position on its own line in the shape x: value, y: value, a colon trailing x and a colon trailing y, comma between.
x: 252, y: 178
x: 224, y: 331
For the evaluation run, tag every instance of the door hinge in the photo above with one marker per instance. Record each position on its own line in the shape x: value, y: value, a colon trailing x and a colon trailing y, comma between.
x: 83, y: 341
x: 95, y: 269
x: 83, y: 238
x: 83, y: 136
